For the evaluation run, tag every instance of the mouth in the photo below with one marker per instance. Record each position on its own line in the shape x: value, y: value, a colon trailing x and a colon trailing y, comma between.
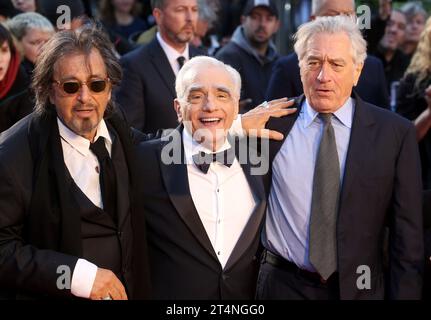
x: 323, y: 91
x: 210, y: 122
x: 84, y: 112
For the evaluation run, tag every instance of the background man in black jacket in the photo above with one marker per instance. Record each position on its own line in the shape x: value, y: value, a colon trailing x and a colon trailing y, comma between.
x: 251, y: 51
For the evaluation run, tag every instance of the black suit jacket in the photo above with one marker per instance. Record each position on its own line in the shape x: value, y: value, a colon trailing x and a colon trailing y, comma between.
x: 183, y: 262
x: 381, y: 186
x: 147, y: 91
x: 40, y: 223
x: 286, y: 81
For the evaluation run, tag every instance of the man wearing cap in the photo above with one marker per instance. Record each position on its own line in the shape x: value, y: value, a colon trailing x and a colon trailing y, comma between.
x: 251, y: 51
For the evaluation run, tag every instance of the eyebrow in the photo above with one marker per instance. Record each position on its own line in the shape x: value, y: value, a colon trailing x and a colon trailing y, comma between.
x: 218, y: 88
x: 336, y: 60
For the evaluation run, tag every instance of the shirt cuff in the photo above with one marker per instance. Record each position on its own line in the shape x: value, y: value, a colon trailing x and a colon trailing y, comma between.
x: 236, y: 128
x: 83, y: 278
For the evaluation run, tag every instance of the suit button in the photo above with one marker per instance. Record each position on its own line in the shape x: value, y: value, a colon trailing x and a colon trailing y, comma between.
x: 225, y: 277
x: 119, y: 234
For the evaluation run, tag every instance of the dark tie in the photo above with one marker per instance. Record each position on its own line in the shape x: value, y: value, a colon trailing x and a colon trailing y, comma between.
x: 324, y: 204
x: 203, y: 160
x: 181, y: 60
x: 107, y: 178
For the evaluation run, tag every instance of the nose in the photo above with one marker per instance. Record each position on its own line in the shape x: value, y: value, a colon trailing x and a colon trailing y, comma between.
x: 209, y: 104
x: 83, y: 94
x: 324, y: 73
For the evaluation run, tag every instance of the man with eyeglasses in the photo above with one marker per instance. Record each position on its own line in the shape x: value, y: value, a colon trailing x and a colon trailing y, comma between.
x: 67, y: 175
x: 66, y: 172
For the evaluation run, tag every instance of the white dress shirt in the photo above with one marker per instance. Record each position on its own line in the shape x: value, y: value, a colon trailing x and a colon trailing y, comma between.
x: 82, y: 164
x: 173, y: 54
x: 222, y: 197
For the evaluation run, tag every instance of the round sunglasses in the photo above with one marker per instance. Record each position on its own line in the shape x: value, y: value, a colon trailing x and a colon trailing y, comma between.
x: 73, y: 86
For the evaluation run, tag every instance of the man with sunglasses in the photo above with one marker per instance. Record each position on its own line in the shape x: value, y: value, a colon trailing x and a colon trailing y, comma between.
x: 66, y: 172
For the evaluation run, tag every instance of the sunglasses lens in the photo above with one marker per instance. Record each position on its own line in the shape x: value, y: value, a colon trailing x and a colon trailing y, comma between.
x: 71, y: 87
x: 97, y: 85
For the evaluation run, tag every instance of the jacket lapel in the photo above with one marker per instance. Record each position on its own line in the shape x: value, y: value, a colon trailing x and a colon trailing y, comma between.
x: 123, y: 185
x: 360, y: 139
x: 177, y: 186
x: 162, y: 65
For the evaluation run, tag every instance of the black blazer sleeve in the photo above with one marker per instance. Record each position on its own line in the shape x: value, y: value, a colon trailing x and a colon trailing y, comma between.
x: 406, y: 249
x: 24, y: 269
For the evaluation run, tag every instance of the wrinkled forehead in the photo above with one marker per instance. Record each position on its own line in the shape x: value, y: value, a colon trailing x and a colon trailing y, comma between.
x: 207, y: 78
x: 332, y: 45
x: 91, y: 62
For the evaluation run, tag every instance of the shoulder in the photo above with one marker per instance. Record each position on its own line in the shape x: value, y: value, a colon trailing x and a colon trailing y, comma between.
x: 14, y: 142
x: 385, y: 118
x: 230, y: 49
x: 138, y: 55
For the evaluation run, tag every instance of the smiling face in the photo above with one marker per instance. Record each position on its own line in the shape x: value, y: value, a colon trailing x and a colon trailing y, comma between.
x: 328, y: 71
x: 5, y: 57
x: 211, y: 106
x: 81, y: 112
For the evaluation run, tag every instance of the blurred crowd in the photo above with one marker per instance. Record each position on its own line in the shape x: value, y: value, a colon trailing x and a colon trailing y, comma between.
x: 154, y: 38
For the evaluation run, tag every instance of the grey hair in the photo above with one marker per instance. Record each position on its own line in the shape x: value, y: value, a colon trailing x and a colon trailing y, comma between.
x: 21, y: 23
x: 64, y: 43
x: 332, y: 25
x: 208, y: 11
x: 191, y: 67
x: 412, y: 9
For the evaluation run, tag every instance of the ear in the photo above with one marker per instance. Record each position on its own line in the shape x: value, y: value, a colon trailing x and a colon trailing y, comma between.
x: 157, y: 14
x: 357, y: 73
x: 178, y: 110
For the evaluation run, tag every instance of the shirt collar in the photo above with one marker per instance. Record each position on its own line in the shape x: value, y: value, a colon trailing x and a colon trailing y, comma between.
x: 343, y: 114
x: 79, y: 143
x: 192, y: 147
x: 170, y: 52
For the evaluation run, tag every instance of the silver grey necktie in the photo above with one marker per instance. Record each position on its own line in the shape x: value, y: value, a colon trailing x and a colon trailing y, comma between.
x: 324, y: 203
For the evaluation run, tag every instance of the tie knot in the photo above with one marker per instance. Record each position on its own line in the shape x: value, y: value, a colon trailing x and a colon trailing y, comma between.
x: 181, y: 61
x: 99, y: 149
x: 326, y: 117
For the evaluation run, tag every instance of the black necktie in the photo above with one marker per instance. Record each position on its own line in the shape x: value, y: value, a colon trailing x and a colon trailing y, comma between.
x: 324, y: 203
x: 108, y: 184
x: 203, y: 160
x: 181, y: 61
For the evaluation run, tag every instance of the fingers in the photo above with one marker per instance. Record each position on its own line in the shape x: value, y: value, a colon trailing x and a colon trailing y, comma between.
x: 106, y: 284
x: 267, y: 134
x: 281, y: 104
x: 282, y: 112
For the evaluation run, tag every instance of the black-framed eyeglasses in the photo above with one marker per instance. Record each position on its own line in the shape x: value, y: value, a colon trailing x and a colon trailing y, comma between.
x: 73, y: 86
